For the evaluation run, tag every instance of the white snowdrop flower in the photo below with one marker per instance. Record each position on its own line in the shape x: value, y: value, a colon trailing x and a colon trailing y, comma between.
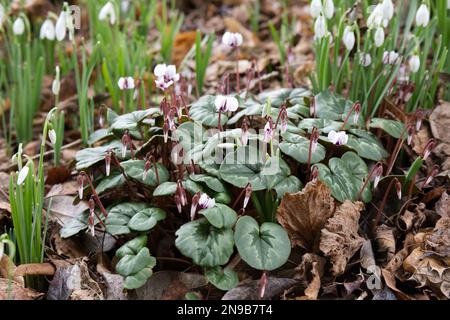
x: 328, y: 9
x: 226, y: 104
x: 339, y: 138
x: 316, y: 8
x: 56, y: 85
x: 349, y: 38
x: 124, y: 5
x: 61, y: 26
x: 365, y: 59
x: 320, y: 28
x: 378, y: 37
x: 126, y: 83
x: 23, y: 174
x: 206, y: 202
x: 52, y: 136
x: 232, y: 40
x: 448, y: 4
x: 390, y: 57
x: 376, y: 17
x: 423, y: 15
x: 47, y: 30
x: 388, y: 9
x: 19, y: 26
x: 107, y: 12
x: 414, y: 63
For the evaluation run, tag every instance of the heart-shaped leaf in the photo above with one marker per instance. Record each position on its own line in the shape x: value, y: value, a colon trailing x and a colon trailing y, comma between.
x: 323, y: 125
x: 223, y: 279
x: 190, y: 134
x: 332, y: 106
x: 98, y: 135
x: 90, y: 156
x: 297, y: 147
x: 392, y: 127
x: 169, y: 188
x: 204, y: 111
x: 130, y: 121
x: 115, y: 180
x: 220, y: 216
x: 345, y: 177
x: 135, y: 170
x: 263, y: 248
x: 278, y: 97
x: 366, y: 145
x: 76, y: 224
x: 222, y: 197
x: 132, y: 216
x: 212, y: 182
x: 289, y: 184
x: 205, y: 244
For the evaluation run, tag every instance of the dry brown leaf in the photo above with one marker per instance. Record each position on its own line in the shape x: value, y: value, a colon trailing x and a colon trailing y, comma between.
x: 15, y: 291
x: 385, y: 239
x: 182, y: 44
x: 412, y: 220
x: 7, y: 269
x: 439, y: 240
x: 367, y: 258
x: 439, y: 123
x: 443, y: 205
x: 340, y: 239
x: 310, y: 271
x: 304, y: 214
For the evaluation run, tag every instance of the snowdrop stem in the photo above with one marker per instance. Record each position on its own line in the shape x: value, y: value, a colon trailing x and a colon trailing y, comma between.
x: 238, y: 84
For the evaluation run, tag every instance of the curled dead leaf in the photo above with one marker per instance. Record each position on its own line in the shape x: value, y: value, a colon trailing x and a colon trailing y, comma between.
x: 384, y: 236
x: 412, y: 219
x: 443, y: 205
x: 310, y: 272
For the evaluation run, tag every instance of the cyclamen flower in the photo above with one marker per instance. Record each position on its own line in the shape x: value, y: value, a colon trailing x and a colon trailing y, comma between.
x: 226, y: 104
x: 206, y: 202
x: 80, y: 181
x: 126, y: 83
x: 52, y: 136
x: 349, y: 38
x: 423, y: 16
x: 47, y: 30
x: 19, y: 26
x: 320, y: 28
x: 92, y: 216
x: 378, y: 37
x: 166, y: 76
x: 377, y: 174
x: 398, y: 187
x: 414, y: 63
x: 339, y: 138
x: 365, y: 59
x: 232, y: 40
x: 268, y: 131
x: 23, y: 174
x: 390, y: 57
x: 248, y: 193
x: 108, y: 164
x: 108, y: 12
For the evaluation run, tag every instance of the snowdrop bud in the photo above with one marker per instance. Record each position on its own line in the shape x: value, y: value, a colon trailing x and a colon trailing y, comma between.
x: 365, y: 59
x: 61, y: 26
x: 232, y: 40
x: 19, y: 26
x: 423, y: 16
x: 47, y: 30
x: 349, y: 38
x: 315, y: 8
x: 378, y: 37
x: 320, y: 28
x: 107, y: 12
x: 339, y: 138
x: 328, y: 9
x: 23, y: 174
x: 56, y: 85
x: 414, y: 64
x: 52, y: 136
x: 126, y: 83
x: 388, y: 9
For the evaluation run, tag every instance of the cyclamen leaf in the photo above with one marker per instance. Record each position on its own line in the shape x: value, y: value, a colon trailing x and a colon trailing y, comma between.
x: 135, y: 170
x: 90, y: 156
x: 115, y: 180
x: 212, y: 182
x: 204, y: 111
x: 220, y: 216
x: 130, y: 121
x: 297, y: 147
x: 392, y: 127
x: 223, y: 279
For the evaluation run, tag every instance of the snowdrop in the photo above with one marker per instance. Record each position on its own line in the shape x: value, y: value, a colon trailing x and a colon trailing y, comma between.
x: 448, y: 4
x: 107, y: 12
x: 365, y: 59
x: 19, y: 26
x: 47, y: 30
x: 387, y: 9
x: 328, y: 9
x: 52, y: 136
x: 61, y: 26
x: 320, y: 28
x: 205, y: 202
x: 23, y: 174
x: 378, y: 37
x: 315, y: 8
x: 349, y: 38
x: 376, y: 17
x: 390, y: 57
x: 226, y: 104
x: 2, y: 14
x: 339, y: 138
x: 166, y: 76
x: 423, y: 16
x: 414, y: 63
x: 232, y: 40
x: 56, y: 85
x: 126, y: 83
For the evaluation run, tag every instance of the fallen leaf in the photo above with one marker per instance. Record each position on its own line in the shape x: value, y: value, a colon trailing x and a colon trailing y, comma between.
x: 367, y: 258
x: 384, y: 236
x: 412, y: 219
x: 439, y: 123
x: 443, y: 205
x: 182, y: 44
x: 310, y: 271
x: 304, y: 214
x: 63, y: 210
x: 14, y: 291
x: 63, y: 189
x: 340, y: 239
x: 438, y: 241
x: 248, y: 289
x: 56, y: 175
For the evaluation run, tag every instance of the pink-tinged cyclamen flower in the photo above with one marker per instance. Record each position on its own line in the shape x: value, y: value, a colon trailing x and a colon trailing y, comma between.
x: 166, y: 76
x: 283, y: 119
x: 377, y: 174
x: 232, y: 40
x: 314, y: 139
x: 80, y: 181
x: 428, y: 148
x: 339, y: 138
x: 248, y: 193
x: 92, y: 216
x: 314, y: 174
x: 245, y: 132
x: 268, y: 131
x: 194, y: 205
x: 226, y: 103
x: 126, y: 83
x: 147, y: 167
x: 410, y: 134
x: 398, y: 187
x: 206, y: 202
x: 357, y: 110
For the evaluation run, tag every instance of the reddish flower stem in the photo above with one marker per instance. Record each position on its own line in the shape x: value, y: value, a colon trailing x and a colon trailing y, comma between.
x: 95, y: 194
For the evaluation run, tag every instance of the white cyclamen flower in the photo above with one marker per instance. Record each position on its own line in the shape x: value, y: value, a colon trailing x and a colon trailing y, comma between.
x: 108, y: 12
x: 339, y: 138
x: 23, y: 174
x: 126, y: 83
x: 423, y: 16
x: 232, y: 40
x: 19, y: 26
x: 328, y: 8
x: 365, y: 59
x: 47, y: 30
x: 166, y: 75
x: 378, y: 37
x: 268, y: 132
x: 414, y: 64
x: 349, y: 38
x: 226, y: 103
x: 52, y: 136
x: 56, y: 85
x: 388, y: 9
x: 315, y: 8
x: 61, y: 26
x: 390, y: 57
x: 320, y: 28
x: 206, y: 202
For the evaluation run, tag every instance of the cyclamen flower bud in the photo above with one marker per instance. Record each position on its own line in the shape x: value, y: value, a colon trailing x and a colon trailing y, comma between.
x: 410, y: 134
x: 357, y: 110
x: 178, y: 203
x: 428, y: 148
x: 312, y: 107
x: 147, y: 167
x: 314, y: 174
x: 108, y: 163
x: 314, y: 139
x: 125, y: 142
x: 419, y: 117
x: 283, y: 119
x: 245, y: 132
x: 268, y: 130
x: 398, y: 187
x: 181, y: 193
x: 423, y: 16
x: 377, y: 174
x: 80, y: 181
x: 434, y: 171
x: 262, y: 285
x: 248, y: 193
x: 92, y: 216
x: 194, y: 204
